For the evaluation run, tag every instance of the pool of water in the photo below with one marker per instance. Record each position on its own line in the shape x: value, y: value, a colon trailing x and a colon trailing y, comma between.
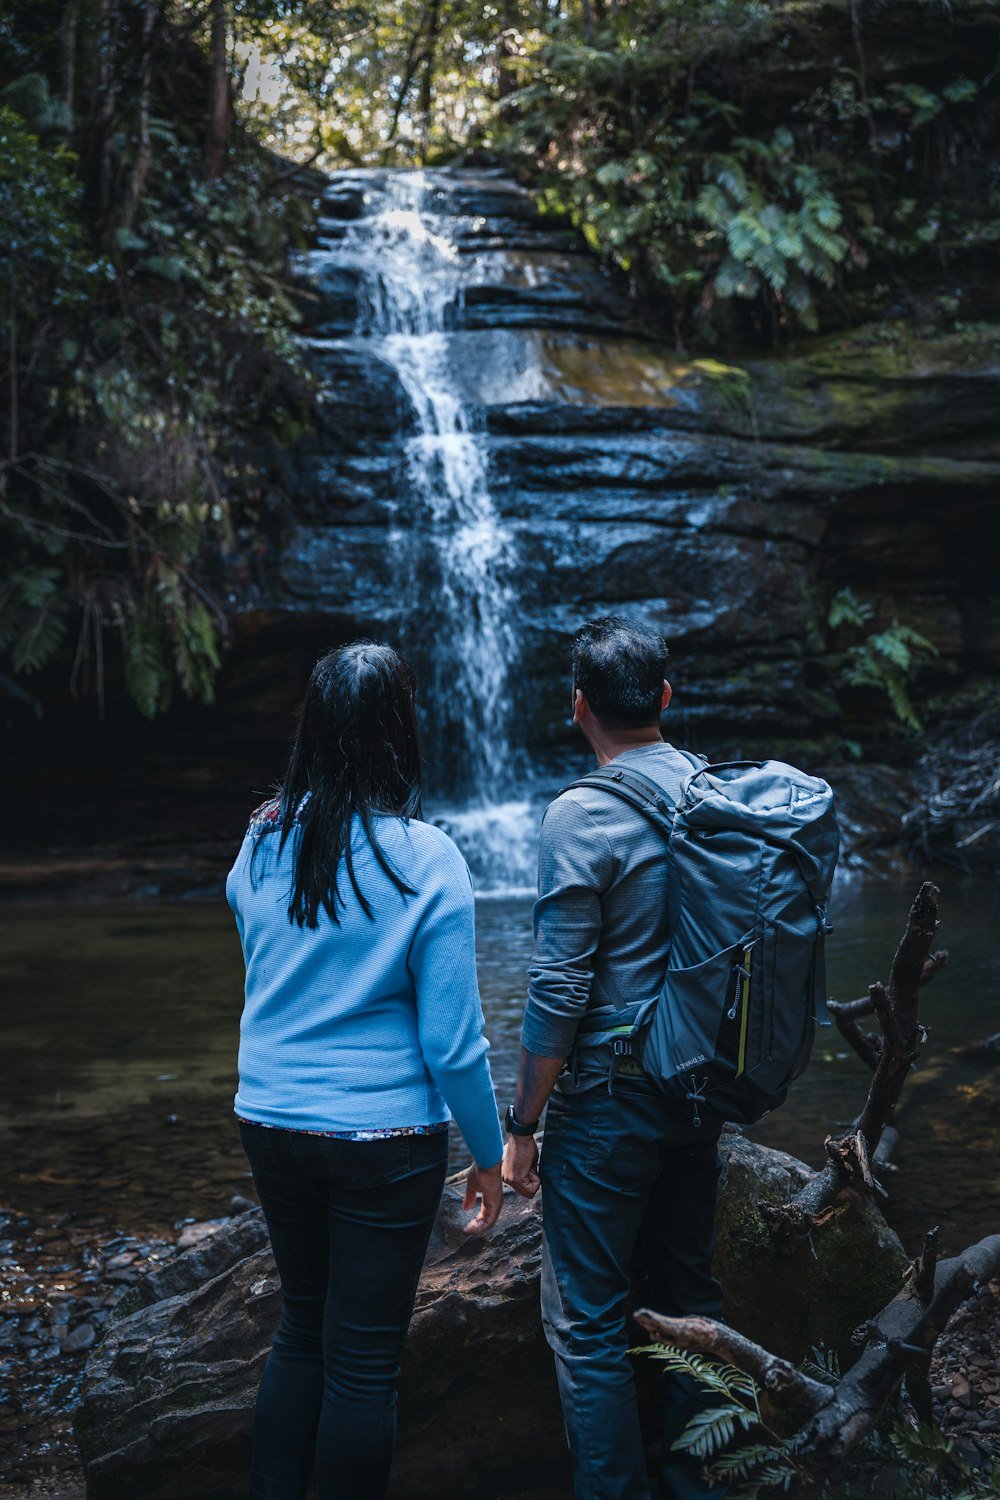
x: 119, y: 1045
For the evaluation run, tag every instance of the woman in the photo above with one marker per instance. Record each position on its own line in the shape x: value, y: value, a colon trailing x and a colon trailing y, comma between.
x: 362, y: 1028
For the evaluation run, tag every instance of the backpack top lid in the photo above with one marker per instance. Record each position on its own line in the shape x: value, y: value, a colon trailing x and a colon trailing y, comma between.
x: 773, y: 801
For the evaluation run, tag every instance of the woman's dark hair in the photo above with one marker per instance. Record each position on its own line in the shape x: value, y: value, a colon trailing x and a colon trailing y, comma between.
x: 356, y: 752
x: 619, y: 667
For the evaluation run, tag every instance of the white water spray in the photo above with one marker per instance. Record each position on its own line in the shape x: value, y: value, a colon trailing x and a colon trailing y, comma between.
x: 453, y: 555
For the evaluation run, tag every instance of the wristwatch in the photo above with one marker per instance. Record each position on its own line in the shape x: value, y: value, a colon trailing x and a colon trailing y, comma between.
x: 514, y: 1126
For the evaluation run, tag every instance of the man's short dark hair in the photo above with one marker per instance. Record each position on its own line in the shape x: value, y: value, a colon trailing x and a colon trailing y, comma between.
x: 619, y: 667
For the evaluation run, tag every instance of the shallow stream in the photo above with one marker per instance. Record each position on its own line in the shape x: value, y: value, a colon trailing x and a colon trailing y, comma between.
x: 120, y: 1043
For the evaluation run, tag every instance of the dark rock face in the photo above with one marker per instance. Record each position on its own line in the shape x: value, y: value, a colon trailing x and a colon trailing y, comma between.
x: 728, y: 503
x: 168, y: 1404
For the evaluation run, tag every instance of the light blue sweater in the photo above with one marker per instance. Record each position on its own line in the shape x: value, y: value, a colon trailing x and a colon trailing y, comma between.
x: 370, y: 1023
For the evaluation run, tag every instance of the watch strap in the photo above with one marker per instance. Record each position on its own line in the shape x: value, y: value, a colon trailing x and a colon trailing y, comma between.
x: 514, y: 1126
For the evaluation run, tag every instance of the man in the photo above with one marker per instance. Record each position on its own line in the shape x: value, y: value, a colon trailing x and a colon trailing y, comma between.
x: 629, y: 1184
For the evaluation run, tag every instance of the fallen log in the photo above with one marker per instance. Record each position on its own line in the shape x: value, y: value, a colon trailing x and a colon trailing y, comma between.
x: 827, y: 1422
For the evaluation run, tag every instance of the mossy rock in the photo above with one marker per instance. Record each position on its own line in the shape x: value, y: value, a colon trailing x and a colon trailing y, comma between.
x: 847, y: 1270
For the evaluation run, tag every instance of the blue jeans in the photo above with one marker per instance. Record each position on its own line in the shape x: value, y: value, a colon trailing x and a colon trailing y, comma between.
x: 349, y: 1223
x: 626, y: 1189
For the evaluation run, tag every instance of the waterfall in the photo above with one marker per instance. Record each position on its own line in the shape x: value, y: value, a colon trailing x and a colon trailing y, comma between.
x: 450, y: 550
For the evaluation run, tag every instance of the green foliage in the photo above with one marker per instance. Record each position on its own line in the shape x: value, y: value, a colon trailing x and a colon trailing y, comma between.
x: 885, y: 659
x: 763, y: 1462
x: 822, y: 1364
x: 675, y: 136
x: 146, y: 349
x: 32, y: 617
x: 935, y: 1469
x: 30, y: 97
x: 665, y: 180
x: 847, y: 609
x: 930, y: 1465
x: 169, y: 636
x: 779, y: 221
x: 43, y: 252
x: 403, y: 83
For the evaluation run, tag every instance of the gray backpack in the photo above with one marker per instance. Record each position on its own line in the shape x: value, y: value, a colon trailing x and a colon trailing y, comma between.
x: 752, y: 847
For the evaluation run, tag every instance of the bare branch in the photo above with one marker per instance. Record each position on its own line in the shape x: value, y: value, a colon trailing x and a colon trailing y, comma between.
x: 896, y: 1006
x: 853, y: 1009
x: 792, y: 1391
x: 900, y: 1341
x: 898, y: 1346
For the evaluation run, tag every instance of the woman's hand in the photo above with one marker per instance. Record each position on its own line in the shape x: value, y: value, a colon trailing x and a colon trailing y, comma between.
x: 483, y: 1182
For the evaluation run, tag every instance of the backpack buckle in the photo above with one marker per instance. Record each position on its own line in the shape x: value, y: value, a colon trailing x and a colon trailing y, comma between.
x: 621, y: 1046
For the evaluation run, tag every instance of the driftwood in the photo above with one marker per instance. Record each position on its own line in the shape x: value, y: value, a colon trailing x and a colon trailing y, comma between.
x: 851, y: 1156
x: 957, y: 819
x: 826, y: 1422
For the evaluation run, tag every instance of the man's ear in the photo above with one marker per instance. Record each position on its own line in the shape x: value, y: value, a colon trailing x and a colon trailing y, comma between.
x: 580, y: 706
x: 668, y: 693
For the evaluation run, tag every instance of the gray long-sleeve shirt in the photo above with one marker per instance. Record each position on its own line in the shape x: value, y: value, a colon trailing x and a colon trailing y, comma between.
x: 600, y: 921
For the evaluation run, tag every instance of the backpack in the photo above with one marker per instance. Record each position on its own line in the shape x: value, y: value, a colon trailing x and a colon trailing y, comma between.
x: 752, y: 847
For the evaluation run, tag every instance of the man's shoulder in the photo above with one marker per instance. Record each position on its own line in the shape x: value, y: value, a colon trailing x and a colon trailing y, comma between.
x: 663, y: 764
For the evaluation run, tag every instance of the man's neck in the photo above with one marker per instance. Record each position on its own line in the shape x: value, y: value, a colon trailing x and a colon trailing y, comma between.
x: 607, y: 743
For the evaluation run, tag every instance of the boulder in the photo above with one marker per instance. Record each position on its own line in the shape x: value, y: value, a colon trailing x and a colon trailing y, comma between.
x: 168, y: 1401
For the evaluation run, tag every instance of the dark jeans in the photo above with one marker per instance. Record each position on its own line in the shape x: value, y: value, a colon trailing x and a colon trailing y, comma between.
x: 349, y: 1224
x: 624, y: 1187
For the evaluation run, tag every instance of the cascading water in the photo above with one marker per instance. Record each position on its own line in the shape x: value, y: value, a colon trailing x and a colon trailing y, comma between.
x: 452, y: 555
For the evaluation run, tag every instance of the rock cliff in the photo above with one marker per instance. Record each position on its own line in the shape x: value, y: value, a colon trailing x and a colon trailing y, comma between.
x: 728, y: 501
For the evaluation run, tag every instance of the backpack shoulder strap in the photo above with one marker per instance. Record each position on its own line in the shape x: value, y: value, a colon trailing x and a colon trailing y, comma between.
x: 638, y: 790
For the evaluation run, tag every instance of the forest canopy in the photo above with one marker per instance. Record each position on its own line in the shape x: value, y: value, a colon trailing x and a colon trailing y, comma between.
x: 756, y: 171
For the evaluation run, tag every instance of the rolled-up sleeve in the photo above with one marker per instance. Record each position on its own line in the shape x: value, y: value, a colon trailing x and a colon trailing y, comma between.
x: 575, y: 867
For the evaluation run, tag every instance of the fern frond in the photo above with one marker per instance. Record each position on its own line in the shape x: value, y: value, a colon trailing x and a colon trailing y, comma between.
x: 682, y: 1362
x: 847, y: 609
x: 822, y: 1363
x: 41, y: 636
x: 711, y: 1429
x: 742, y: 1463
x: 147, y: 674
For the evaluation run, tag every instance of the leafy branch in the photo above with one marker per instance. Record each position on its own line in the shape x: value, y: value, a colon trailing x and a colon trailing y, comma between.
x: 887, y: 660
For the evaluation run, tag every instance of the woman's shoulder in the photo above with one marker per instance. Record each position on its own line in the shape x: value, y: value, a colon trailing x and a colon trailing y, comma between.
x: 429, y: 845
x: 266, y: 818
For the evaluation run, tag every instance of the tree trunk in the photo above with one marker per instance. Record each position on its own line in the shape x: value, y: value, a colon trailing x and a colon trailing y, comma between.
x: 140, y: 167
x: 106, y: 95
x: 67, y: 44
x: 427, y: 77
x: 13, y: 375
x: 506, y: 48
x: 219, y: 102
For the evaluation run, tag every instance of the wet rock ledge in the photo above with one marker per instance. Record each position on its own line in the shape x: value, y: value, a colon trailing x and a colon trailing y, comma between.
x: 168, y: 1397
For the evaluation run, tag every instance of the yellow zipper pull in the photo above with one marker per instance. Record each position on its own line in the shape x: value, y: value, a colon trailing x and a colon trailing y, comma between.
x: 743, y: 994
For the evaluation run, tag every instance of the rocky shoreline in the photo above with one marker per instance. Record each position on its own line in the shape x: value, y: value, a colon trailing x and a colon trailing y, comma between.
x: 59, y: 1286
x: 63, y: 1281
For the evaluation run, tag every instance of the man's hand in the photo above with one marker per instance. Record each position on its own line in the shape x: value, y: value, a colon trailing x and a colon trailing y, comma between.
x: 483, y: 1182
x: 520, y: 1165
